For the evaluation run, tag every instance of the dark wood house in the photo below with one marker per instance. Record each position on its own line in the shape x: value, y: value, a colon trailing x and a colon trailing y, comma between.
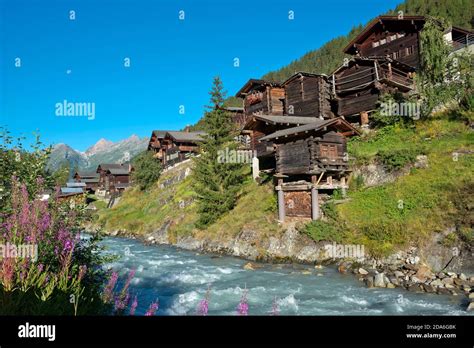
x: 262, y: 97
x: 310, y: 158
x: 399, y: 38
x: 90, y: 179
x: 155, y: 143
x: 178, y: 146
x: 308, y: 95
x: 171, y: 147
x: 358, y: 84
x: 114, y: 178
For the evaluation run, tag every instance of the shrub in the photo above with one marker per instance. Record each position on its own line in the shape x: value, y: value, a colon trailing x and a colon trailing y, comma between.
x: 147, y: 170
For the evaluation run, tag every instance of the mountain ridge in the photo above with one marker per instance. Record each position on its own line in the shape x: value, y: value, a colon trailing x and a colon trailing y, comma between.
x: 103, y: 151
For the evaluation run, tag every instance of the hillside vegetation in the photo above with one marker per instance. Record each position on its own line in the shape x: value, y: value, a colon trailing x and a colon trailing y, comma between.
x: 140, y: 212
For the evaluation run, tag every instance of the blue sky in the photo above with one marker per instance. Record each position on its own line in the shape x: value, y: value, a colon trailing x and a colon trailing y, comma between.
x: 172, y: 61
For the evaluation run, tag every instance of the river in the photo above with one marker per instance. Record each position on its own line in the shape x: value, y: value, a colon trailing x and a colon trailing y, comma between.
x: 179, y: 279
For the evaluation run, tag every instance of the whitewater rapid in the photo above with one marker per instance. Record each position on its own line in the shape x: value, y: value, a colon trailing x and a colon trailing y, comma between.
x: 179, y: 279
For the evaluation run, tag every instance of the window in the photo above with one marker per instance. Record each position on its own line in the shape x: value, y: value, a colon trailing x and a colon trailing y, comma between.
x: 410, y: 50
x: 395, y: 55
x: 393, y: 37
x: 375, y: 44
x: 399, y: 35
x: 328, y: 151
x: 383, y: 41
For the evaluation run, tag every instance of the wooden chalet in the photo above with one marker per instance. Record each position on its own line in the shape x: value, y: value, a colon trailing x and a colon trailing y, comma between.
x: 180, y: 146
x: 308, y: 95
x: 156, y: 143
x: 90, y: 179
x: 171, y: 147
x: 114, y: 178
x: 358, y: 84
x: 399, y: 38
x: 309, y: 158
x: 262, y: 97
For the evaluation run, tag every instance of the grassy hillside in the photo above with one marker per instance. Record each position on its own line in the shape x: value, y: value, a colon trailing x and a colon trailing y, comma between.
x: 145, y: 212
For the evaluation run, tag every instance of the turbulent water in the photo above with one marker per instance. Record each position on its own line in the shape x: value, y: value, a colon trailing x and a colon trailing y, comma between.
x: 179, y: 279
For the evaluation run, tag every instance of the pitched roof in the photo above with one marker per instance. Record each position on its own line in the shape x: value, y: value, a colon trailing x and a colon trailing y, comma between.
x: 314, y: 126
x: 71, y: 190
x: 302, y: 73
x: 276, y: 119
x: 90, y: 181
x: 350, y: 49
x: 119, y: 171
x: 159, y: 133
x: 86, y: 174
x: 75, y: 184
x: 186, y: 136
x: 253, y: 82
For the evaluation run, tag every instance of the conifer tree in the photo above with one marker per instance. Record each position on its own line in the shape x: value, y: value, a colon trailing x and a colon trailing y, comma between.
x: 216, y: 184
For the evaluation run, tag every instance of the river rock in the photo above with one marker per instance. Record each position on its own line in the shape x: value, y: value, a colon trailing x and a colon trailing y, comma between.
x: 363, y: 271
x: 443, y: 291
x: 429, y: 288
x: 460, y: 282
x: 249, y: 267
x: 462, y: 276
x: 414, y: 279
x: 390, y: 286
x: 399, y: 274
x: 437, y: 283
x: 424, y: 273
x: 452, y: 274
x: 369, y: 282
x: 449, y: 281
x: 379, y: 281
x: 470, y: 308
x: 471, y: 297
x: 449, y: 286
x: 415, y: 288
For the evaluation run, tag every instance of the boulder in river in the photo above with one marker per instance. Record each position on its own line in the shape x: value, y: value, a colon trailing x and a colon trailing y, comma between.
x: 379, y: 281
x: 363, y: 271
x: 249, y: 267
x: 470, y: 308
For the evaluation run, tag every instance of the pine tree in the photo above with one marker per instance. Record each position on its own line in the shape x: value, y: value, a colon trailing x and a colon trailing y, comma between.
x: 216, y: 184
